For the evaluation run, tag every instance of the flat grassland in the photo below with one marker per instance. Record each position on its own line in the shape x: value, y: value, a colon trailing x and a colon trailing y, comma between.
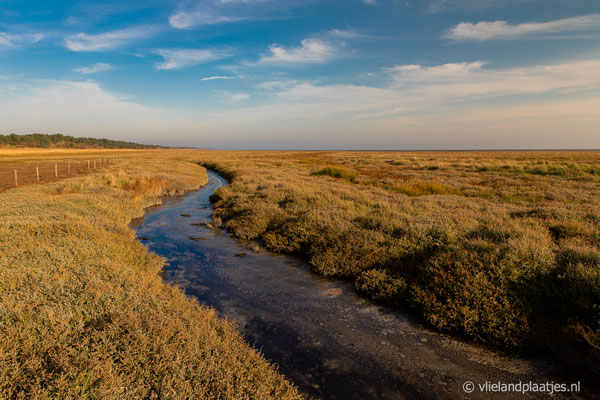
x: 84, y: 312
x: 503, y: 247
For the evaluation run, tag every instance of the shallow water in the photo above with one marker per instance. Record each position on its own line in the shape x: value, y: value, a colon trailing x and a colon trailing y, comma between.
x: 330, y: 342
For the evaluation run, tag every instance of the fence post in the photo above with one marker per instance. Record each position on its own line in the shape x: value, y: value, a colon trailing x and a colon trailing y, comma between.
x: 94, y: 164
x: 55, y: 170
x: 16, y: 181
x: 78, y: 166
x: 69, y: 169
x: 37, y: 172
x: 88, y: 164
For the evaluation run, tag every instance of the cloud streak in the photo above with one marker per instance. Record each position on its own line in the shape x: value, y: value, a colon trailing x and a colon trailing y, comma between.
x: 488, y: 30
x: 183, y: 58
x: 14, y: 40
x: 199, y: 17
x: 472, y: 81
x: 438, y: 6
x: 95, y: 68
x: 213, y: 12
x: 233, y: 97
x: 442, y: 106
x: 310, y: 51
x: 416, y: 90
x: 83, y: 42
x: 214, y: 78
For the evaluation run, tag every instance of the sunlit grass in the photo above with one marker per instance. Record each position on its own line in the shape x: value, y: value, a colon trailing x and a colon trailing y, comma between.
x: 84, y: 313
x: 503, y: 247
x: 422, y: 188
x: 337, y: 172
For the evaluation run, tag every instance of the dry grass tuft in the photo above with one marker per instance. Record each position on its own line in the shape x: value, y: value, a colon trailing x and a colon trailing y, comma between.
x: 337, y: 172
x: 416, y: 188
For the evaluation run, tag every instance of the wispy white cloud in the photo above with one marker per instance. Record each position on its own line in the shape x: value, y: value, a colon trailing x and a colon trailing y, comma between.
x: 182, y: 58
x: 443, y: 106
x: 92, y: 110
x: 108, y: 40
x: 346, y: 34
x: 14, y: 40
x: 95, y: 68
x: 233, y: 97
x: 198, y: 17
x: 437, y: 6
x: 199, y: 13
x: 473, y: 81
x: 310, y: 51
x: 218, y: 77
x: 451, y: 72
x: 421, y: 90
x: 278, y: 85
x: 487, y: 30
x: 5, y: 42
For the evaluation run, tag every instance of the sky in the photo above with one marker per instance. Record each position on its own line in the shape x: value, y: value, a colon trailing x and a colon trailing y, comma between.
x: 292, y: 74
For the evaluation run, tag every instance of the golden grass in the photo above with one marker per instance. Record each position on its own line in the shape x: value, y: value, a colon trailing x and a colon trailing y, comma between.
x: 84, y: 312
x: 337, y: 172
x: 416, y: 188
x: 503, y: 247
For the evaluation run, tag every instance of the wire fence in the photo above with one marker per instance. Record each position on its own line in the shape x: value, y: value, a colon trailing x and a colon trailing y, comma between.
x: 30, y: 173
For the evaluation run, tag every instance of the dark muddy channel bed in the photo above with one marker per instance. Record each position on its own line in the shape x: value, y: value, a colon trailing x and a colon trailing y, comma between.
x: 329, y: 341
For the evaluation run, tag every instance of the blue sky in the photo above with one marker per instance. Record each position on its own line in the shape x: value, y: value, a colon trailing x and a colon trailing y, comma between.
x: 269, y: 74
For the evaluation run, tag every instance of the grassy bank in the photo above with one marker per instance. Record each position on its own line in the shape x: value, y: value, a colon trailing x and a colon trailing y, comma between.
x: 502, y: 247
x: 84, y: 312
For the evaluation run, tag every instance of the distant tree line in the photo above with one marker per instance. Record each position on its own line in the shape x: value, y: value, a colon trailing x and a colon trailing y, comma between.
x: 64, y: 141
